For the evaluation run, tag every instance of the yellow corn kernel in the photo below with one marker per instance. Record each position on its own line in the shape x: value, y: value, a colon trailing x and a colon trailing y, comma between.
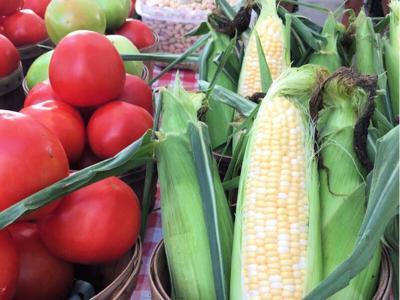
x: 281, y: 234
x: 270, y: 30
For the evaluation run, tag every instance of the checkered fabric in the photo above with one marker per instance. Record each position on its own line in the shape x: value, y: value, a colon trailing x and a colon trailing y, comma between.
x: 189, y: 79
x: 142, y: 291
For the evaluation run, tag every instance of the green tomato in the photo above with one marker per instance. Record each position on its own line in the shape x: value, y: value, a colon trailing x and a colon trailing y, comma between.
x: 39, y: 70
x: 116, y: 12
x: 125, y: 46
x: 65, y: 16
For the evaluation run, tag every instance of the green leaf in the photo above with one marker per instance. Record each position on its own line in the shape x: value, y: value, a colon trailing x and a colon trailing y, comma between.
x: 164, y: 57
x: 199, y: 30
x: 223, y: 60
x: 382, y: 24
x: 219, y: 93
x: 305, y: 4
x: 150, y: 182
x: 307, y: 34
x: 231, y: 184
x: 202, y: 155
x: 227, y: 9
x: 265, y: 73
x: 199, y: 43
x: 203, y: 59
x: 383, y: 205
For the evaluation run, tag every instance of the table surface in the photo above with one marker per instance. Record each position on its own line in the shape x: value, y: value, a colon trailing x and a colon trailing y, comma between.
x: 189, y: 80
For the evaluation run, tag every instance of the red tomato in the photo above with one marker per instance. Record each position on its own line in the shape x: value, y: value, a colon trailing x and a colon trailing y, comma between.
x: 136, y: 91
x: 42, y: 276
x: 95, y: 224
x: 137, y: 32
x: 9, y: 262
x: 86, y: 69
x: 115, y: 125
x: 38, y: 6
x: 9, y: 57
x: 64, y: 121
x: 39, y: 93
x: 8, y: 7
x: 24, y: 28
x: 31, y: 158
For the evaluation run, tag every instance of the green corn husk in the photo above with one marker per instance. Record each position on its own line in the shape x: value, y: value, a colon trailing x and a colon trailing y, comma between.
x: 342, y: 177
x: 295, y: 85
x: 218, y: 116
x: 369, y: 60
x: 183, y: 220
x: 328, y: 55
x: 392, y: 56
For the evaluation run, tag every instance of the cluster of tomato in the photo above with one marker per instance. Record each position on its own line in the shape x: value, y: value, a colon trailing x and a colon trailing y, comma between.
x: 90, y: 107
x: 116, y: 106
x: 22, y: 21
x: 97, y: 223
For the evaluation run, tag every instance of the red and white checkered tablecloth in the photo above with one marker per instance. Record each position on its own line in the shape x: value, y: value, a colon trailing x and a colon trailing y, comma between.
x: 189, y: 80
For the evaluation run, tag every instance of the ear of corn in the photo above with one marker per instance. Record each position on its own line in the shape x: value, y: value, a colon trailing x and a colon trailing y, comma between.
x: 185, y: 232
x: 369, y: 59
x: 271, y: 31
x: 392, y: 56
x: 328, y: 55
x: 342, y: 188
x: 219, y: 116
x: 276, y: 255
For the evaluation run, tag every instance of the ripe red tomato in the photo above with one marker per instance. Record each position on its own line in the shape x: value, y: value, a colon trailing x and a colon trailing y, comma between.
x: 137, y: 32
x: 115, y: 125
x: 136, y: 91
x: 32, y: 158
x: 95, y: 224
x: 9, y: 57
x: 42, y: 276
x: 8, y: 7
x: 86, y: 69
x: 39, y: 93
x: 24, y: 28
x: 9, y: 262
x: 64, y: 121
x: 38, y: 6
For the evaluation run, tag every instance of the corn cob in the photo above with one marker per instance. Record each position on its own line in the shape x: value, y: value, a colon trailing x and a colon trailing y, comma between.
x: 185, y: 233
x: 270, y: 29
x: 342, y: 190
x: 276, y: 255
x: 392, y: 56
x: 328, y: 55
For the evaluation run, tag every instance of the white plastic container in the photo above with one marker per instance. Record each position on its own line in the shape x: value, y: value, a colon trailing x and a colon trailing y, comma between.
x: 171, y: 20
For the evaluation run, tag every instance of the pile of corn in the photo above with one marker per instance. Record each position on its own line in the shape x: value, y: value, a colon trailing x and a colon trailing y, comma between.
x: 303, y: 187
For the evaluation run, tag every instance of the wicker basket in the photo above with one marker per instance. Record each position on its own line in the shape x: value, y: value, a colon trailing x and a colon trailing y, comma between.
x: 158, y: 274
x: 116, y: 280
x: 161, y: 286
x: 11, y: 93
x: 30, y: 53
